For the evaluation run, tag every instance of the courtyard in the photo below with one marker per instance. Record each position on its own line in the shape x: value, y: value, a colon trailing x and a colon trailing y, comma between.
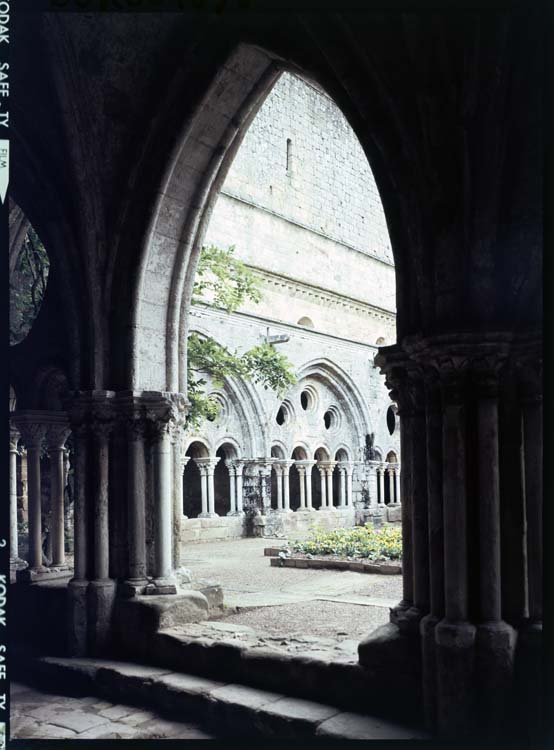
x: 329, y: 604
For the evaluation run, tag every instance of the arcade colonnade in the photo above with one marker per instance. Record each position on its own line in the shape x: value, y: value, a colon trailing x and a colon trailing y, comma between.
x: 241, y: 470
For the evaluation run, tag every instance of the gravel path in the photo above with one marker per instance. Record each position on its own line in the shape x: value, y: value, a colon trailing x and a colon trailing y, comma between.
x: 249, y: 581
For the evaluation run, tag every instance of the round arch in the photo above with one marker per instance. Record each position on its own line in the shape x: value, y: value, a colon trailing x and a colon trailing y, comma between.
x: 199, y: 447
x: 229, y: 442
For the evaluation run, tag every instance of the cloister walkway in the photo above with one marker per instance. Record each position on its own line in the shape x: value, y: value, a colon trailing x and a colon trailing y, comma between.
x: 292, y: 601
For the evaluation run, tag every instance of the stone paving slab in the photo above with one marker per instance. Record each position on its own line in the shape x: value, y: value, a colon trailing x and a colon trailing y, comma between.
x: 40, y: 715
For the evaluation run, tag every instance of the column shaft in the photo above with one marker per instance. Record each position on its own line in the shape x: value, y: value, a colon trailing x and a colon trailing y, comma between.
x: 489, y: 510
x: 35, y: 522
x: 204, y: 490
x: 211, y: 492
x: 342, y: 501
x: 137, y: 505
x: 101, y: 528
x: 397, y: 486
x: 239, y: 489
x: 57, y: 505
x: 162, y: 495
x: 392, y: 499
x: 323, y: 489
x: 532, y: 438
x: 329, y: 477
x: 381, y: 475
x: 14, y: 553
x: 302, y: 474
x: 349, y: 486
x: 309, y: 504
x: 279, y: 476
x: 80, y: 572
x: 286, y: 489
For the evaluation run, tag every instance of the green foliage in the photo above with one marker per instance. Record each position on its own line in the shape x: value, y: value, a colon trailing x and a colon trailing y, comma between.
x: 223, y: 279
x: 27, y: 286
x: 384, y: 543
x: 227, y: 282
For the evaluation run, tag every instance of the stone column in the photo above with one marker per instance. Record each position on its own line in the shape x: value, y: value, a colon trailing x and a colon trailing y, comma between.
x: 14, y: 550
x: 321, y: 470
x: 232, y: 487
x: 32, y: 432
x: 342, y: 473
x: 207, y: 467
x: 211, y: 487
x: 203, y: 487
x: 381, y: 477
x: 397, y: 497
x: 78, y: 585
x: 495, y: 638
x: 101, y: 590
x: 184, y: 462
x: 302, y: 474
x: 455, y: 635
x: 395, y: 364
x: 329, y: 468
x: 23, y: 499
x: 239, y: 467
x: 433, y: 416
x: 373, y: 486
x: 136, y: 503
x: 349, y: 470
x: 392, y: 500
x: 309, y: 468
x: 177, y: 469
x: 286, y: 485
x: 163, y: 557
x: 56, y: 435
x: 531, y: 386
x: 279, y: 476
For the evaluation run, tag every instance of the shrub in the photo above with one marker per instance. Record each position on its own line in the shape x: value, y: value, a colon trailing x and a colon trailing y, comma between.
x: 384, y: 543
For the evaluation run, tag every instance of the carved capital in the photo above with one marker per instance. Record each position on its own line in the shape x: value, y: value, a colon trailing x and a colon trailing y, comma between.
x: 32, y: 433
x: 14, y: 438
x: 56, y: 435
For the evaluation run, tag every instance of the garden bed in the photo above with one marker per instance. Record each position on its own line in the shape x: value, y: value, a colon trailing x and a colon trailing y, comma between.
x: 362, y: 548
x: 335, y: 563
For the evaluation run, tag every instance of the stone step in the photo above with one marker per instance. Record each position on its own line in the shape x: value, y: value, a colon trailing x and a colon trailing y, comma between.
x: 227, y: 709
x: 313, y: 669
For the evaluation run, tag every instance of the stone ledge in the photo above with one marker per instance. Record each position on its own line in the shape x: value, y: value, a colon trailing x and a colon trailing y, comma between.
x: 230, y: 709
x: 358, y: 567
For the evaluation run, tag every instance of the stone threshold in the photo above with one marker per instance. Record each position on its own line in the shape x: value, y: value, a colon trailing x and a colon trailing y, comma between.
x: 228, y: 709
x: 321, y: 562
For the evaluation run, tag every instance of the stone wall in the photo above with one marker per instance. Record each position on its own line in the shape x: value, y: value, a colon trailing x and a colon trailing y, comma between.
x: 301, y: 208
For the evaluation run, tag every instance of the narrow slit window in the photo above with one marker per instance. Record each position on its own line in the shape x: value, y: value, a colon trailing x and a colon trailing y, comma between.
x: 289, y: 154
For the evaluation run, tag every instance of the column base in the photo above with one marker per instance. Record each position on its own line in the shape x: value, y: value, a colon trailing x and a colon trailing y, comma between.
x: 429, y: 669
x: 208, y: 515
x: 33, y: 575
x: 456, y: 699
x: 161, y: 586
x: 495, y: 645
x: 77, y: 631
x: 101, y: 597
x: 133, y: 587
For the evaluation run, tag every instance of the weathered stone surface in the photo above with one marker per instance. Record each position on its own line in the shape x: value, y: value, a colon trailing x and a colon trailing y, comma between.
x: 248, y: 697
x: 351, y: 726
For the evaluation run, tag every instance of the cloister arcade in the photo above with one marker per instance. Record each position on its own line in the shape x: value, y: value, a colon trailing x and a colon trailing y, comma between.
x: 123, y: 223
